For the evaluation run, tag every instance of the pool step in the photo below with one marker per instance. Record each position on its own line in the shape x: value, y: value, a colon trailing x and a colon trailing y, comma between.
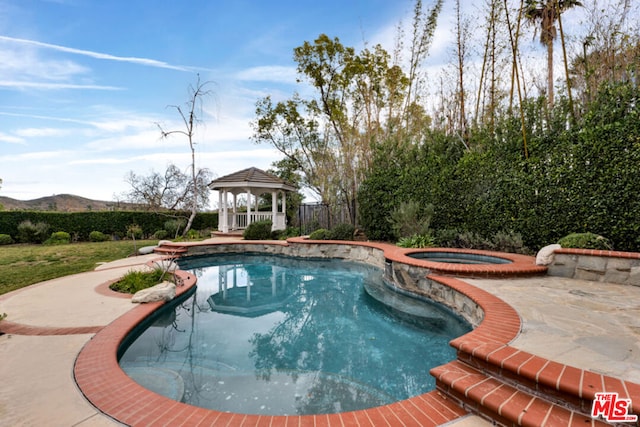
x: 498, y: 400
x: 171, y: 250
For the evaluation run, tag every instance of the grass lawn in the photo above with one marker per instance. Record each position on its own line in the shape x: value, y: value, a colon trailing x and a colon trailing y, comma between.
x: 24, y: 265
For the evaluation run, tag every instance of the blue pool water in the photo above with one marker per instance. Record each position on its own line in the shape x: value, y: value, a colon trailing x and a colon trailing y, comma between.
x: 458, y: 257
x: 282, y: 336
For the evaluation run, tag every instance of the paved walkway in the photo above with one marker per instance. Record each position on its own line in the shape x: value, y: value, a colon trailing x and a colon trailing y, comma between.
x: 589, y: 325
x: 36, y: 371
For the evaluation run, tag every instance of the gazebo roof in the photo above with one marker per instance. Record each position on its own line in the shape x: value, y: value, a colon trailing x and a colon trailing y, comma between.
x: 251, y: 178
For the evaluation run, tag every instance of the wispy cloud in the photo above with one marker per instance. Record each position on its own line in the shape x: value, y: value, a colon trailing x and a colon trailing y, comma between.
x: 44, y: 132
x: 15, y: 84
x: 37, y: 155
x: 269, y: 73
x: 43, y: 117
x: 98, y: 55
x: 10, y: 139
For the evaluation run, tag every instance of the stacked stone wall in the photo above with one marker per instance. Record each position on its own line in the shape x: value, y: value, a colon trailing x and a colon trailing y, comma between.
x: 603, y: 266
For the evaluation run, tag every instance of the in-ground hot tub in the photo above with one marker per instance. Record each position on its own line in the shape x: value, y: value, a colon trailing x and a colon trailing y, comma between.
x: 468, y: 262
x: 458, y: 257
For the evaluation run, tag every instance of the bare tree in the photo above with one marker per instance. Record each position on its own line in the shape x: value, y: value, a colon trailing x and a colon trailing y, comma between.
x: 462, y: 36
x: 171, y: 191
x: 610, y: 47
x: 190, y: 119
x: 516, y: 74
x: 424, y: 26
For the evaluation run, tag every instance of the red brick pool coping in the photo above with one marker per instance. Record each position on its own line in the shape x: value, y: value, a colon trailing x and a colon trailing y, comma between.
x: 598, y: 253
x: 109, y: 389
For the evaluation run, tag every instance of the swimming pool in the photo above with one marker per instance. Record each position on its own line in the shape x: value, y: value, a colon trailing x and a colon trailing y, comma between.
x: 268, y: 334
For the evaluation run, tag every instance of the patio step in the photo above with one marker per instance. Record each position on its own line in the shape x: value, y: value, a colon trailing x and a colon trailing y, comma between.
x: 500, y: 401
x: 171, y: 250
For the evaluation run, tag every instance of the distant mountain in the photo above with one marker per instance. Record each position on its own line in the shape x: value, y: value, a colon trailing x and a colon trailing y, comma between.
x: 63, y: 203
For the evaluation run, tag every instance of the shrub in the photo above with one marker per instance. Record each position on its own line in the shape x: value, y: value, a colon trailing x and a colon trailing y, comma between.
x: 508, y: 242
x: 309, y: 227
x: 98, y: 236
x: 417, y: 241
x: 174, y: 226
x: 160, y: 234
x: 134, y: 281
x: 320, y: 234
x: 29, y: 232
x: 5, y: 239
x: 447, y: 237
x: 259, y: 230
x: 586, y: 241
x: 58, y: 238
x: 134, y: 231
x: 342, y: 232
x: 410, y: 219
x: 292, y: 232
x: 470, y: 240
x: 193, y: 234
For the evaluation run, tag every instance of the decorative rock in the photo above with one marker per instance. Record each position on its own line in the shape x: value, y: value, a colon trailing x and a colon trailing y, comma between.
x: 545, y: 255
x: 146, y: 250
x: 164, y: 291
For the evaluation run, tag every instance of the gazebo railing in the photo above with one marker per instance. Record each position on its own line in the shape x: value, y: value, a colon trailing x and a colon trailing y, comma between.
x: 242, y: 220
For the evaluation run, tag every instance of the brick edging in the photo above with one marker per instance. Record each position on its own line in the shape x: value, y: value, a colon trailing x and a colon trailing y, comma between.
x: 489, y: 343
x: 598, y: 252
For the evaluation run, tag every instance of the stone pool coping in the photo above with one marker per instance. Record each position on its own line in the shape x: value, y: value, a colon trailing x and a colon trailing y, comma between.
x: 108, y: 388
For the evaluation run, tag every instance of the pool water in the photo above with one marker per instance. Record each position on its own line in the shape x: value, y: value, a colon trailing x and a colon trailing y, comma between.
x: 458, y: 257
x: 276, y: 335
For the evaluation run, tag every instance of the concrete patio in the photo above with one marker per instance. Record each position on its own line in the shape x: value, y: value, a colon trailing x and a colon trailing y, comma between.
x: 592, y: 326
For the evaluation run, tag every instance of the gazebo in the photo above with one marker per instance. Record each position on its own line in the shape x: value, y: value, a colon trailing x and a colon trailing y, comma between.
x: 253, y: 182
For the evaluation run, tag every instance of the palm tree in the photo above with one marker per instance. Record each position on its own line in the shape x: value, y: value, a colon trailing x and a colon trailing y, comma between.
x: 547, y: 12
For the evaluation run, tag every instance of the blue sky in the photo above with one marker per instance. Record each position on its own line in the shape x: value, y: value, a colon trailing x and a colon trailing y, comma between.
x: 83, y: 83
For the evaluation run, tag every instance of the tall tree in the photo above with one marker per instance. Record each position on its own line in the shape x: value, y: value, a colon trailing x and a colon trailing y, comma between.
x: 547, y: 12
x: 515, y: 76
x: 423, y: 29
x: 330, y: 137
x: 493, y: 72
x: 190, y: 119
x: 361, y: 99
x: 462, y: 35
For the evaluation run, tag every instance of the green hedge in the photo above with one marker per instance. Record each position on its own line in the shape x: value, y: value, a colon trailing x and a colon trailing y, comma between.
x: 579, y: 179
x: 114, y: 223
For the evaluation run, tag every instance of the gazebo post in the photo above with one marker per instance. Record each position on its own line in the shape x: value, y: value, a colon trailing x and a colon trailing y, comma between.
x: 284, y: 209
x: 274, y: 210
x: 225, y: 213
x: 234, y: 221
x: 248, y: 206
x: 220, y: 212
